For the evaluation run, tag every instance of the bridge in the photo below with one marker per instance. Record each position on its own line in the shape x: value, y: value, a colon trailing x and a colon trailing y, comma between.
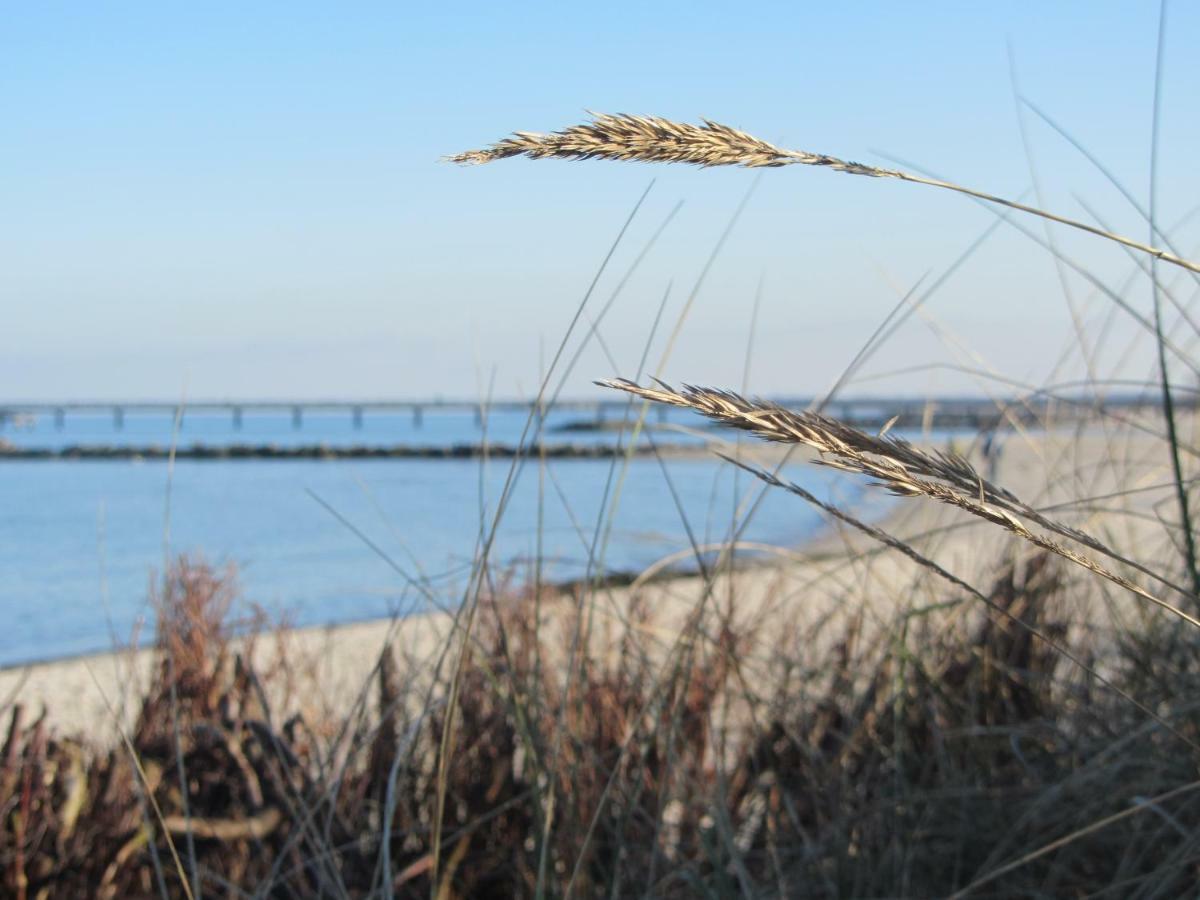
x: 237, y: 410
x: 867, y: 412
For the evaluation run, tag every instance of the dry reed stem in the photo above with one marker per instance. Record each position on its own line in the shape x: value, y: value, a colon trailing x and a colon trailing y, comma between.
x: 654, y: 139
x: 895, y: 464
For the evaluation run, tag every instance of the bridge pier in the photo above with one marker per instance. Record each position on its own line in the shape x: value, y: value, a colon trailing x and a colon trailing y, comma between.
x: 60, y: 418
x: 418, y: 417
x: 118, y: 418
x: 662, y: 413
x: 297, y: 417
x: 478, y: 417
x: 357, y: 416
x: 237, y: 418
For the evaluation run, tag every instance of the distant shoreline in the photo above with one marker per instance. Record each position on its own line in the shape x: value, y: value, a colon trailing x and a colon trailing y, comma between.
x: 806, y: 574
x: 325, y: 451
x: 615, y: 579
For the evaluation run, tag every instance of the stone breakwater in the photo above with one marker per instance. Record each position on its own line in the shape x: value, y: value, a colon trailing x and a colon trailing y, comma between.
x: 325, y: 451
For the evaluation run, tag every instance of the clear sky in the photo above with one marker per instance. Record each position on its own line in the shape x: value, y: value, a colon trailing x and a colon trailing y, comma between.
x: 246, y: 200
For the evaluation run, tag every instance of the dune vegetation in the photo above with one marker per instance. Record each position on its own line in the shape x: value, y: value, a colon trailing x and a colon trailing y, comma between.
x: 988, y: 693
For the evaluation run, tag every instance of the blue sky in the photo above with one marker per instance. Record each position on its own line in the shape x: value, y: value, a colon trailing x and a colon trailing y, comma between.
x: 240, y: 200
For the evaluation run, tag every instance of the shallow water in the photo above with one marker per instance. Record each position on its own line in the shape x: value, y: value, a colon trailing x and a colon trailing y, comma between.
x: 79, y: 540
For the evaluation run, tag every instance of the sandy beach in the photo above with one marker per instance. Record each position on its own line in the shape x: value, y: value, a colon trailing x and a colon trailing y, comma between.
x: 1065, y: 471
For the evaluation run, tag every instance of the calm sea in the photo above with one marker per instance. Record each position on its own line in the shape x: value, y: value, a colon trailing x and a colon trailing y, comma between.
x: 81, y: 540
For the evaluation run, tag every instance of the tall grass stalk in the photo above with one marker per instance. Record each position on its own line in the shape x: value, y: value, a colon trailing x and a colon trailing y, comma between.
x: 1168, y: 400
x: 654, y: 139
x: 901, y: 468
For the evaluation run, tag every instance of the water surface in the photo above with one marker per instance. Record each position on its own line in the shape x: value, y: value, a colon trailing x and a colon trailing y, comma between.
x: 80, y: 539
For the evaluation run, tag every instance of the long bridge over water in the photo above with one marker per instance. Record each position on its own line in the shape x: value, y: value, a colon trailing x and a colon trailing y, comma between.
x: 867, y: 412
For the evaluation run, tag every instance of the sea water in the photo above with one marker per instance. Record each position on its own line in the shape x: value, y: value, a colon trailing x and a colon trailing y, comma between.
x: 327, y: 541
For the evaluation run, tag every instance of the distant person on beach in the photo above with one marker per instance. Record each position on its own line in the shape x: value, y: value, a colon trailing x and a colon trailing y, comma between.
x: 991, y: 452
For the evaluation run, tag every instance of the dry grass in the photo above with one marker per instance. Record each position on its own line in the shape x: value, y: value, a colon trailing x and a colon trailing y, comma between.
x: 945, y: 749
x: 653, y: 139
x: 1076, y: 853
x: 907, y: 763
x: 902, y: 469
